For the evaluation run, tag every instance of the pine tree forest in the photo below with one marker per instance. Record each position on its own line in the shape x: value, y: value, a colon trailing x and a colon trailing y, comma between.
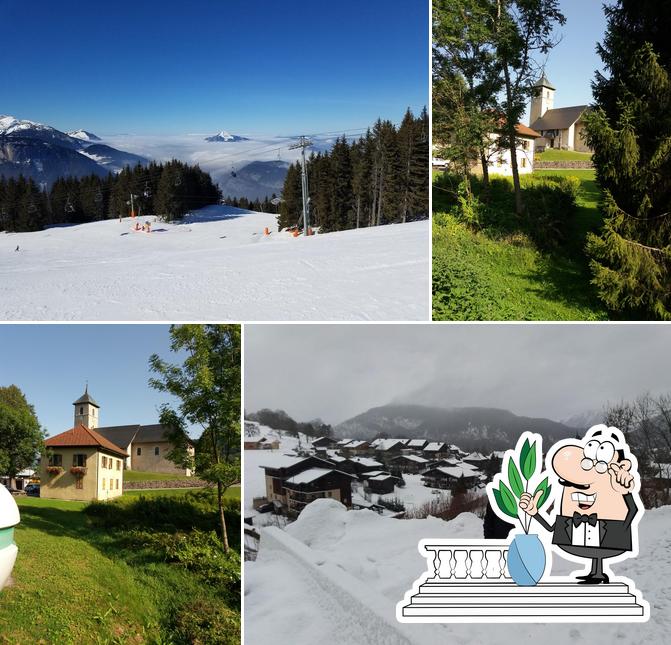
x: 381, y: 178
x: 168, y: 190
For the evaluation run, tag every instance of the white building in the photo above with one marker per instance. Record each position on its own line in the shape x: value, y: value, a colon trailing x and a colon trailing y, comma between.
x: 561, y: 128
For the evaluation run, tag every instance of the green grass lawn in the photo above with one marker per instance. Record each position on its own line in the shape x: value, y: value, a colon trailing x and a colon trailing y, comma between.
x: 75, y: 584
x: 231, y: 493
x: 491, y: 277
x: 552, y: 154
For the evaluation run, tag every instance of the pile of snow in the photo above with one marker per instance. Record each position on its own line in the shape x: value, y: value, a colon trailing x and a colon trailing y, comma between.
x: 216, y: 265
x: 414, y: 494
x: 289, y: 601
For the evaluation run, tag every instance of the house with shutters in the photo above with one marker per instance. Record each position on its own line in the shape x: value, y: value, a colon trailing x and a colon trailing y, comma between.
x: 81, y: 464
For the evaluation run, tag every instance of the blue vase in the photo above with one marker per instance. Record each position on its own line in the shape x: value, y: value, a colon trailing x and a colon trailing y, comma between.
x: 526, y: 559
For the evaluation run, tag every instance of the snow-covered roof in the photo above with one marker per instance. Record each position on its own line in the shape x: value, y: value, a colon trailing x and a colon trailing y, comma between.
x: 416, y: 443
x: 336, y: 458
x: 375, y: 473
x: 356, y: 444
x: 434, y: 446
x: 379, y: 478
x: 376, y: 442
x: 475, y: 456
x: 457, y: 471
x: 282, y: 461
x: 308, y: 476
x: 415, y: 458
x: 387, y: 444
x: 365, y: 461
x: 498, y: 454
x: 344, y: 442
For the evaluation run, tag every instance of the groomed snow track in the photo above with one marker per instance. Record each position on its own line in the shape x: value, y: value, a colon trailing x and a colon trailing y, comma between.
x: 359, y: 614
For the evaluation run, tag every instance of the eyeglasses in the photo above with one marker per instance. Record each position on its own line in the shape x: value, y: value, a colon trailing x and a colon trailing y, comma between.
x: 600, y: 466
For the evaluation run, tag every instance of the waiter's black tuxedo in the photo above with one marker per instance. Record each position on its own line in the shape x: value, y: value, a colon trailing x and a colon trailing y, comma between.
x: 614, y: 535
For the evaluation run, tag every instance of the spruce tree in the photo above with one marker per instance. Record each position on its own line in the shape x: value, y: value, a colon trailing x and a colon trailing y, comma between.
x: 630, y: 133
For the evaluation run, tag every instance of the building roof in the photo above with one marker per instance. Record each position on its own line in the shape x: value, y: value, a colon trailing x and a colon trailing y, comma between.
x: 82, y: 436
x: 524, y: 131
x: 314, y: 474
x: 434, y: 446
x: 356, y: 444
x: 380, y: 478
x: 365, y: 461
x: 283, y: 461
x: 476, y: 456
x: 544, y: 82
x: 457, y: 471
x: 416, y: 443
x: 415, y: 458
x: 122, y: 436
x: 86, y: 398
x: 388, y: 444
x: 559, y: 118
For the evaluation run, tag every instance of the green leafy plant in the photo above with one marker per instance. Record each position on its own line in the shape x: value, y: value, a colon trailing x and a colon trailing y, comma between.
x: 520, y: 468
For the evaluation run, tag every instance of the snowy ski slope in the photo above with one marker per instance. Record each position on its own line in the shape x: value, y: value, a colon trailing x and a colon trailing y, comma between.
x: 216, y: 265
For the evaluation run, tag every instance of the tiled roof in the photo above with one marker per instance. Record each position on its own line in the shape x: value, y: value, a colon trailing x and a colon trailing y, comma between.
x: 82, y: 436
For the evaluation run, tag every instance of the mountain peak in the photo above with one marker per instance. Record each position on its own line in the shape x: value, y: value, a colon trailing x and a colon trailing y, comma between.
x: 223, y: 135
x: 83, y: 135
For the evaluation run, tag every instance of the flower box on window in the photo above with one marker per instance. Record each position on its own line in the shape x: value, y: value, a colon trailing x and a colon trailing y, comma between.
x: 78, y: 471
x: 54, y: 470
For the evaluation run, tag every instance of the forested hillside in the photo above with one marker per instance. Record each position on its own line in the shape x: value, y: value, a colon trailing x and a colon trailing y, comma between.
x: 380, y: 178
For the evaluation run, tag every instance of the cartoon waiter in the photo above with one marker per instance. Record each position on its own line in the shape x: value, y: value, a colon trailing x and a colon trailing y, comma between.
x: 599, y: 499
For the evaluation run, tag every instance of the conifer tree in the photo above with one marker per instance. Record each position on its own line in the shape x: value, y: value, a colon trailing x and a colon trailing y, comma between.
x: 630, y: 133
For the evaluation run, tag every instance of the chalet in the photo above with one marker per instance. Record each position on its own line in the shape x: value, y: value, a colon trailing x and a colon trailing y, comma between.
x: 261, y: 443
x: 562, y: 128
x: 381, y: 484
x: 324, y: 442
x: 284, y: 467
x: 408, y: 464
x: 342, y: 443
x: 146, y: 446
x: 436, y: 450
x: 389, y: 448
x: 417, y: 444
x: 372, y: 473
x: 356, y: 447
x: 316, y: 483
x: 447, y: 477
x: 476, y: 459
x: 81, y: 464
x: 359, y: 465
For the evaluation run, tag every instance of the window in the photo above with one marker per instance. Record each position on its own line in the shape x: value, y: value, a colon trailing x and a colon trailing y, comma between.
x: 139, y: 452
x: 525, y: 145
x: 117, y: 484
x: 93, y: 412
x: 104, y: 460
x: 524, y: 162
x: 156, y: 451
x: 277, y: 486
x: 55, y: 460
x: 79, y: 483
x: 81, y: 409
x: 118, y: 464
x: 79, y: 460
x: 103, y: 483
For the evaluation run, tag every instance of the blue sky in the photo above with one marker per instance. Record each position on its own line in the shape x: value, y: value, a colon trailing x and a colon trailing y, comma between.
x: 254, y: 66
x: 571, y: 64
x: 51, y: 364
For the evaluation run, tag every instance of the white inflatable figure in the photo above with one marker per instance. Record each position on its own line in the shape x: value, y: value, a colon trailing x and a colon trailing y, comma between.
x: 9, y: 518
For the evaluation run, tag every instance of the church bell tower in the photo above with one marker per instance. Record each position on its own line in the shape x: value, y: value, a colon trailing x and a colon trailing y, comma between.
x: 86, y: 410
x: 543, y: 99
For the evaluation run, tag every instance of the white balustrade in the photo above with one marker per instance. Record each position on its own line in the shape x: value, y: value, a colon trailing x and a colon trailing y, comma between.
x: 474, y: 560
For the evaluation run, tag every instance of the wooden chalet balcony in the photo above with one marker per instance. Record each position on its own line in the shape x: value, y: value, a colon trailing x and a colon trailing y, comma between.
x: 469, y: 581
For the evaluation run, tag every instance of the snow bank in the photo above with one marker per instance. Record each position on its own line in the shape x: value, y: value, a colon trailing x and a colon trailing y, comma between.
x: 217, y: 265
x: 287, y: 602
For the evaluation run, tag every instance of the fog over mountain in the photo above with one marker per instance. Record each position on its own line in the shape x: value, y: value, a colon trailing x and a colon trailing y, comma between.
x: 554, y: 372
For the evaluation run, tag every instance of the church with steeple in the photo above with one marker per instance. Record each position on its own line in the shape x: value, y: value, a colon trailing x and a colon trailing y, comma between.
x: 87, y: 462
x: 560, y: 128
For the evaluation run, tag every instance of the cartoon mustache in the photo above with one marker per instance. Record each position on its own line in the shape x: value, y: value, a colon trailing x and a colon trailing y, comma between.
x: 566, y: 483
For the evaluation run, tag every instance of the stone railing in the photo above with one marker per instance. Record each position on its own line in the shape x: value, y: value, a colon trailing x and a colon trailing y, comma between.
x: 464, y: 561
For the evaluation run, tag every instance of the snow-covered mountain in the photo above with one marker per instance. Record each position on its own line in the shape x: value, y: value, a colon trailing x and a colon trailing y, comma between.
x: 226, y: 137
x: 585, y: 420
x: 256, y: 180
x: 83, y: 135
x: 43, y: 153
x: 470, y: 428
